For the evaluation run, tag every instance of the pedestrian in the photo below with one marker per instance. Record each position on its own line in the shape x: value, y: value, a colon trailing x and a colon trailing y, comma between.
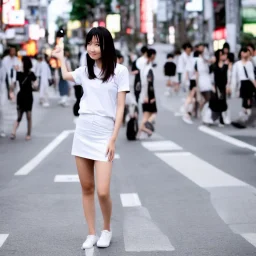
x: 170, y: 73
x: 218, y: 102
x: 148, y: 98
x: 43, y: 73
x: 9, y: 63
x: 243, y: 79
x: 191, y: 97
x: 26, y: 80
x: 204, y: 85
x: 105, y: 84
x: 137, y: 68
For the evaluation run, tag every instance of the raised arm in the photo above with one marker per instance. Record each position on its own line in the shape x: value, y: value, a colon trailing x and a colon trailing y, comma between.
x: 59, y: 54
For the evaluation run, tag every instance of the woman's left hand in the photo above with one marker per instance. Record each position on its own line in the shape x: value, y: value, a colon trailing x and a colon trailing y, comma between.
x: 111, y: 150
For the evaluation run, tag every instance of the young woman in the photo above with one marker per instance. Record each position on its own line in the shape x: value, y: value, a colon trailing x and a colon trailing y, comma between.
x: 148, y: 94
x: 243, y: 76
x: 105, y: 84
x: 26, y: 80
x: 218, y: 102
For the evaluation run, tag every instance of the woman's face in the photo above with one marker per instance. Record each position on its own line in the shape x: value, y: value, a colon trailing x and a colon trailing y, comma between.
x: 93, y: 49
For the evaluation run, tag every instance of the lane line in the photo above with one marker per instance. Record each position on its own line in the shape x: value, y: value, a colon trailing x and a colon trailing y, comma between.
x: 3, y: 238
x: 161, y: 145
x: 130, y: 200
x: 226, y: 138
x: 199, y: 171
x: 27, y: 168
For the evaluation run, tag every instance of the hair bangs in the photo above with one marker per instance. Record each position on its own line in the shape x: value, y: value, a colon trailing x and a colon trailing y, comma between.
x: 108, y: 53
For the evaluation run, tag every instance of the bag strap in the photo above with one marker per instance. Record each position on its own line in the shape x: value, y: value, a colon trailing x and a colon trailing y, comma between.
x: 26, y: 78
x: 245, y: 71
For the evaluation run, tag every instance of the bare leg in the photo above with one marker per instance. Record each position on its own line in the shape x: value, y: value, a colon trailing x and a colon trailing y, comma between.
x: 152, y: 118
x: 85, y: 169
x: 142, y: 127
x: 103, y: 179
x: 29, y: 120
x: 16, y: 124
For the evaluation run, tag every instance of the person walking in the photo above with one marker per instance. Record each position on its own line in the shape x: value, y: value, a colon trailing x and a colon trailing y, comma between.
x: 26, y: 80
x: 148, y: 98
x: 105, y: 84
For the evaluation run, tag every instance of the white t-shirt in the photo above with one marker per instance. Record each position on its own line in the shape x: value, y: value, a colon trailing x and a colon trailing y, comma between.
x: 101, y: 98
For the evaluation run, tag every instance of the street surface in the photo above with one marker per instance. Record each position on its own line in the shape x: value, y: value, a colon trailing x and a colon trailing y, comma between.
x: 190, y: 190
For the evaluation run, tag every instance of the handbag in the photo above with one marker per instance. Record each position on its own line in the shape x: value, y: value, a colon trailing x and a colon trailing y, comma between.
x: 218, y: 102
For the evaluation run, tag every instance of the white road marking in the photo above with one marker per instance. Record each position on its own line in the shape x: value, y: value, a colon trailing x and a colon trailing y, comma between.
x: 27, y: 168
x: 66, y: 178
x: 130, y: 200
x: 141, y: 233
x: 161, y: 145
x: 226, y: 138
x: 117, y: 156
x: 3, y: 238
x: 250, y: 237
x: 199, y: 171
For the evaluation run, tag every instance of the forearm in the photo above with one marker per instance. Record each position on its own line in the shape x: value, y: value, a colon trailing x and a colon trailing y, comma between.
x: 64, y: 70
x: 118, y: 121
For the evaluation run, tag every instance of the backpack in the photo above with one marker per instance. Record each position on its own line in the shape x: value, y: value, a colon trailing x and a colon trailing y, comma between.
x: 169, y: 69
x: 132, y: 129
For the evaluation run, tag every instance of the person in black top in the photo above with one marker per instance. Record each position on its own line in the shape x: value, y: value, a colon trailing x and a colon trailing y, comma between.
x: 218, y: 101
x: 26, y: 80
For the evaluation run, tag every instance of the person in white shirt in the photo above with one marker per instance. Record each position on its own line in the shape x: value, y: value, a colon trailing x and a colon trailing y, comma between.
x: 137, y: 70
x: 182, y: 63
x: 147, y: 97
x: 243, y: 80
x: 191, y: 77
x: 204, y: 83
x: 9, y: 63
x: 43, y: 74
x: 105, y: 84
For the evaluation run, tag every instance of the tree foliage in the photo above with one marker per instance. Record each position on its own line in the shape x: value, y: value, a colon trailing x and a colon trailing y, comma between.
x: 81, y: 9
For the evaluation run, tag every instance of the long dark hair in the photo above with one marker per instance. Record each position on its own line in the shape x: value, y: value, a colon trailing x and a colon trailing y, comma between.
x: 27, y: 64
x: 108, y: 53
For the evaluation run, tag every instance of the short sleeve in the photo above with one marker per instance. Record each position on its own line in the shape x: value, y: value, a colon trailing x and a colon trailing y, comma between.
x: 123, y: 80
x: 77, y: 75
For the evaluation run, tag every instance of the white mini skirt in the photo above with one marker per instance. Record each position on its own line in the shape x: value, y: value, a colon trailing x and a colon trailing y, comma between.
x: 92, y: 136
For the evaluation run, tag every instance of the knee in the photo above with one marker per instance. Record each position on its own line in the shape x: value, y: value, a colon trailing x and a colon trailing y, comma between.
x: 19, y: 119
x: 103, y: 195
x: 87, y: 188
x: 28, y: 118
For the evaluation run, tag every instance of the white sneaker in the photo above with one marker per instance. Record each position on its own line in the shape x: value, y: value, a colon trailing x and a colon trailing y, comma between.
x: 187, y: 120
x: 46, y: 104
x: 90, y: 241
x: 105, y: 239
x: 2, y: 134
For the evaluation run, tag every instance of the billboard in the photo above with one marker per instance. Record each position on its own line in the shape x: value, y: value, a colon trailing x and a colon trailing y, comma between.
x: 194, y: 6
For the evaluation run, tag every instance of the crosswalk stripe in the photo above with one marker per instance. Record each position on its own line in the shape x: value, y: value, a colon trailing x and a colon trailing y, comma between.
x: 140, y: 232
x: 199, y: 171
x: 3, y: 238
x: 161, y: 145
x: 66, y: 178
x: 130, y: 200
x: 250, y: 237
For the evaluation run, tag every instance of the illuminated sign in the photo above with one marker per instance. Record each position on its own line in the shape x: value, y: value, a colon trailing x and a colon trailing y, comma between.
x: 9, y: 6
x: 143, y: 16
x: 194, y: 6
x: 219, y: 34
x: 113, y: 22
x: 250, y: 28
x: 16, y: 18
